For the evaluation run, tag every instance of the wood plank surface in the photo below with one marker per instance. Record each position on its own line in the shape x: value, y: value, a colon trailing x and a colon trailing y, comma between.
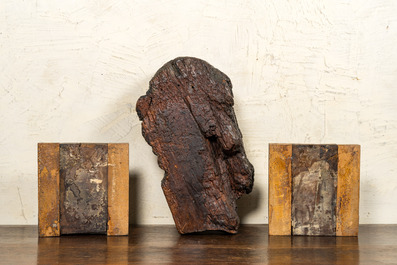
x: 280, y: 189
x: 48, y: 189
x: 348, y: 190
x: 83, y: 188
x: 162, y: 244
x: 118, y: 189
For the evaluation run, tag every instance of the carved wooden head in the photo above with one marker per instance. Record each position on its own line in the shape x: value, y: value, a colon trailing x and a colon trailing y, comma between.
x: 188, y: 119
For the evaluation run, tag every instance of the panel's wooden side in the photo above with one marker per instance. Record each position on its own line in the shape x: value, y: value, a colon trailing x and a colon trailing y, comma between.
x: 280, y: 189
x: 48, y: 189
x: 118, y: 181
x: 348, y: 194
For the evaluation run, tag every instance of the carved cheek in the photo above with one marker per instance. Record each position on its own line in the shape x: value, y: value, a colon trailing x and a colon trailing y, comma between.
x: 230, y: 136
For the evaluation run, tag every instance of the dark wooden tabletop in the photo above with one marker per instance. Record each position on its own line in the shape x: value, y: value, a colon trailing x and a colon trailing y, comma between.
x: 161, y: 244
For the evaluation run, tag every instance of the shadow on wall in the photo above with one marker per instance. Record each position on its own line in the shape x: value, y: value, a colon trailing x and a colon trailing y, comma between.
x: 247, y: 204
x: 370, y: 215
x: 134, y: 193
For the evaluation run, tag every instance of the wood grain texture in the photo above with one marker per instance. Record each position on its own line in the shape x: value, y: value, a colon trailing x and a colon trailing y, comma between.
x: 83, y: 188
x: 280, y: 189
x: 48, y: 189
x: 347, y: 214
x: 118, y: 189
x: 188, y: 119
x: 314, y: 188
x: 161, y: 244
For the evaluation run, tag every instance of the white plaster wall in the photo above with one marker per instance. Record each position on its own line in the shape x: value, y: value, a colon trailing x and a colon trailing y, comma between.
x: 303, y: 71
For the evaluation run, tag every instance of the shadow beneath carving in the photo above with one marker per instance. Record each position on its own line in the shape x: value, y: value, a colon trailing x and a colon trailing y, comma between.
x: 215, y: 232
x: 134, y: 189
x: 247, y: 204
x: 215, y: 246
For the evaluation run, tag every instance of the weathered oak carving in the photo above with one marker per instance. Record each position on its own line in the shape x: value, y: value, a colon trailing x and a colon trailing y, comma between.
x: 188, y: 118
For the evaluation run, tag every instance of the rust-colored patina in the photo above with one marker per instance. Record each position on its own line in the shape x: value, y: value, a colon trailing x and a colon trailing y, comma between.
x: 118, y: 179
x: 348, y: 190
x: 280, y: 189
x: 48, y: 180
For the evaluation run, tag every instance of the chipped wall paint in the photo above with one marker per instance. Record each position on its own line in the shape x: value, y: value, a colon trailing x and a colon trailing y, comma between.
x: 302, y: 71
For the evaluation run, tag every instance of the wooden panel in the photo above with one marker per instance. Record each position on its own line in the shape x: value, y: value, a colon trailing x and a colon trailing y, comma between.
x: 48, y: 189
x: 314, y: 188
x: 280, y: 189
x: 83, y: 188
x: 348, y: 190
x: 118, y: 189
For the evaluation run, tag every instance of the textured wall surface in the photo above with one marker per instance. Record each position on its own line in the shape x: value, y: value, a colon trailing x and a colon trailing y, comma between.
x: 302, y: 72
